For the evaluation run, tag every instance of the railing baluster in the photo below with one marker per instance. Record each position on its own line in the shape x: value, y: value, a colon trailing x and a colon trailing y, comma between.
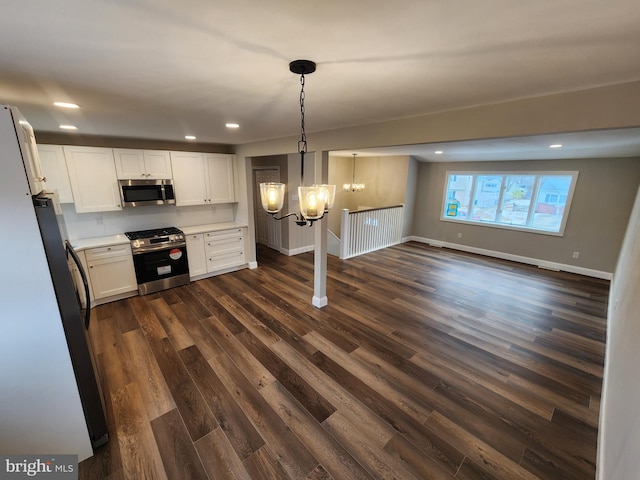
x: 368, y: 230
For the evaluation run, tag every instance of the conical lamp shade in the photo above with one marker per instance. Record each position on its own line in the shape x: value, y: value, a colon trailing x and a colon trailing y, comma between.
x: 312, y: 202
x: 272, y: 196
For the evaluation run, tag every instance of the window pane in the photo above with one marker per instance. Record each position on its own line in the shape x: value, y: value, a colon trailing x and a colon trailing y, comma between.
x: 458, y: 196
x: 487, y: 194
x: 516, y: 199
x: 551, y: 201
x: 529, y: 201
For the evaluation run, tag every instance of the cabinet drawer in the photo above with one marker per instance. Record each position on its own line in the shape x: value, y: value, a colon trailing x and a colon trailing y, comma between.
x: 221, y: 234
x: 225, y: 260
x: 213, y: 247
x: 94, y: 254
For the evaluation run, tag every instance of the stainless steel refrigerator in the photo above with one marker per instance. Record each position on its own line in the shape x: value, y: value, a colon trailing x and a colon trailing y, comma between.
x: 75, y: 319
x: 60, y: 259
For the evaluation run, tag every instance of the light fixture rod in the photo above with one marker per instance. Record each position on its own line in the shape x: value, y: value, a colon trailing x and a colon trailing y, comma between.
x: 302, y: 67
x: 302, y: 143
x: 353, y: 178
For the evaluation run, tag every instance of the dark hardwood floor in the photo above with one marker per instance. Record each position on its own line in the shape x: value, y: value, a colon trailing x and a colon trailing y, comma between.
x: 426, y: 364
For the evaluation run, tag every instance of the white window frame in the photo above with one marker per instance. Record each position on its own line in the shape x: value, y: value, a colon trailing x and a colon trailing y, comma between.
x: 522, y: 228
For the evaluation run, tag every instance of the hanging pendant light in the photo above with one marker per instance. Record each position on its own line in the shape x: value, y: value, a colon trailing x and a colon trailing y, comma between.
x: 315, y: 200
x: 353, y: 186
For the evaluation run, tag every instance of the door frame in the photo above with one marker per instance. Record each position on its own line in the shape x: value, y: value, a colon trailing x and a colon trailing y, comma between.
x: 257, y: 204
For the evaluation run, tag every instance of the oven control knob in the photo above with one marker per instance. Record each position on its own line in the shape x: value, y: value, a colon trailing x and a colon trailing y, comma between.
x: 136, y: 244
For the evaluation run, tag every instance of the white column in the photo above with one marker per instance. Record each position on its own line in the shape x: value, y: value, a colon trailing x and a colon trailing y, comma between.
x: 321, y: 174
x: 345, y: 234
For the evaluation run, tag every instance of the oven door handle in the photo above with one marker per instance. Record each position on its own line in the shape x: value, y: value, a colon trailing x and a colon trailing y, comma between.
x: 158, y: 248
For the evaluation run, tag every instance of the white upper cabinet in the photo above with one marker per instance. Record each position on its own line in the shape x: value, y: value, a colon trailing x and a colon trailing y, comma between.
x: 221, y: 178
x: 189, y: 178
x: 142, y: 164
x: 157, y: 163
x: 93, y: 178
x: 54, y: 169
x: 202, y: 178
x: 30, y: 157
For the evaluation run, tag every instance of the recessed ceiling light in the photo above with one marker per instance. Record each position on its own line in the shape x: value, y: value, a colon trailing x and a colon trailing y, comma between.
x: 232, y: 125
x: 438, y: 152
x: 190, y: 137
x: 555, y: 145
x: 68, y: 127
x: 66, y: 105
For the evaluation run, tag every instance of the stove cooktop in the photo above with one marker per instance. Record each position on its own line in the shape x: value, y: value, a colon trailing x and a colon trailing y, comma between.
x: 153, y: 233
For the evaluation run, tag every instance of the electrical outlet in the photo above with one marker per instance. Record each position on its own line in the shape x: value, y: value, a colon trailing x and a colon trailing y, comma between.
x: 576, y: 255
x: 459, y: 234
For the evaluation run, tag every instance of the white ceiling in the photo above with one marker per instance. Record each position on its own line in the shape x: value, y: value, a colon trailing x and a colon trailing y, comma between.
x: 594, y: 144
x: 161, y: 69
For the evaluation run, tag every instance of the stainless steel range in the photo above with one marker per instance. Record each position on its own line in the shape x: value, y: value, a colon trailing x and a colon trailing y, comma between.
x: 160, y: 259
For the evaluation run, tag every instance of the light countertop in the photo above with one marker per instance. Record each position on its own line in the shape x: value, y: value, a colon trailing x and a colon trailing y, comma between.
x: 212, y: 227
x: 120, y: 239
x: 96, y: 242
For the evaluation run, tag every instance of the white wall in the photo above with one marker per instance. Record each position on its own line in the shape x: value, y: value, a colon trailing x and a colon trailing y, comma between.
x: 87, y: 225
x: 40, y: 409
x: 614, y: 106
x: 619, y: 435
x: 386, y: 182
x: 594, y: 228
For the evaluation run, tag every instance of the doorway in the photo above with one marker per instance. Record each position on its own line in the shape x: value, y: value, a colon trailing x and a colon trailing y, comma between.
x: 267, y: 229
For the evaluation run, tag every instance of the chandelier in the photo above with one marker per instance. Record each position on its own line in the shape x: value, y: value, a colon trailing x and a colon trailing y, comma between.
x: 353, y: 186
x: 315, y: 200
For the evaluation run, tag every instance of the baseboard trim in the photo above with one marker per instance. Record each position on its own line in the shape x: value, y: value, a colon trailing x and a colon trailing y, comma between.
x: 297, y: 251
x: 515, y: 258
x: 320, y: 302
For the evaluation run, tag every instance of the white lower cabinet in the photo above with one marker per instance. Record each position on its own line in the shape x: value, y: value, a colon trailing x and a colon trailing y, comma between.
x: 111, y: 271
x: 224, y: 249
x: 215, y: 252
x: 195, y: 255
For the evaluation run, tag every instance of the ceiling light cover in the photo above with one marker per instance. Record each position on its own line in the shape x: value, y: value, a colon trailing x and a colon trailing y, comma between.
x: 555, y: 145
x: 232, y: 125
x: 190, y: 137
x: 68, y: 127
x: 66, y: 105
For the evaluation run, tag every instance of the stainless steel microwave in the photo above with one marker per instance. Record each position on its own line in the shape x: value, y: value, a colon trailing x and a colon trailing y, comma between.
x: 136, y: 193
